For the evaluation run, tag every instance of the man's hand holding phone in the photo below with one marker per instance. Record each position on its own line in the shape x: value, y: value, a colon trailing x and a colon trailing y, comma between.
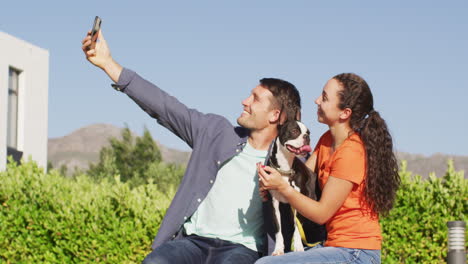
x: 97, y: 52
x: 95, y: 29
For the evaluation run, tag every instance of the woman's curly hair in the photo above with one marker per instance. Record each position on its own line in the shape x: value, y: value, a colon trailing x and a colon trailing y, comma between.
x: 382, y: 179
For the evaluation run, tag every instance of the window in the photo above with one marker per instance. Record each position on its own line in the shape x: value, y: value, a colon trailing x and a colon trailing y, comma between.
x: 12, y: 125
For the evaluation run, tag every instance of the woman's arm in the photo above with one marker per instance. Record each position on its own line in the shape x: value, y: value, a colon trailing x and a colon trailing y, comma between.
x: 311, y: 162
x: 334, y: 194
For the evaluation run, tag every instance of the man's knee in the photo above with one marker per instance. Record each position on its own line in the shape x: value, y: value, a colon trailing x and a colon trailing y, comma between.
x: 156, y: 257
x: 239, y: 255
x: 175, y: 251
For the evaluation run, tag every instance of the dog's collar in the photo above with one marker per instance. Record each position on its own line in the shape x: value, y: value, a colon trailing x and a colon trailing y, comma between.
x: 282, y: 172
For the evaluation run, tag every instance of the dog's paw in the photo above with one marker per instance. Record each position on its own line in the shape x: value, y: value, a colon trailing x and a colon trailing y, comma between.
x: 298, y: 247
x: 278, y: 252
x: 295, y: 186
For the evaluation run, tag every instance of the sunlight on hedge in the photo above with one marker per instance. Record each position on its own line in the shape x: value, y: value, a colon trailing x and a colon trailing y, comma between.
x: 416, y: 229
x: 50, y: 218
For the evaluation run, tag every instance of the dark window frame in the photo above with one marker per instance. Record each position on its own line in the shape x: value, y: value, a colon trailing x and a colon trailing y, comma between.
x: 13, y: 106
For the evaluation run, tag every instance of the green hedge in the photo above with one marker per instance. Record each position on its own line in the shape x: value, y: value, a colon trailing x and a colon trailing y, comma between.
x: 47, y: 218
x: 50, y: 218
x: 416, y: 229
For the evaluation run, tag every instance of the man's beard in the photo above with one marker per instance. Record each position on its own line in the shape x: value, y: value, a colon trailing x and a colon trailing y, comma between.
x: 244, y: 122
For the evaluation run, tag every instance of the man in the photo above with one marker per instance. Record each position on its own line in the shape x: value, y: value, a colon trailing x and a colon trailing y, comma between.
x: 216, y: 215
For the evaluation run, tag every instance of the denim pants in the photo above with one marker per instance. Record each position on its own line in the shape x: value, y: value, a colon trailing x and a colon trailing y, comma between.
x: 329, y: 255
x: 200, y: 250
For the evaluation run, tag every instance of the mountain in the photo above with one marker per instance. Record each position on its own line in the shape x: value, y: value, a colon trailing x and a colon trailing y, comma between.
x: 437, y: 163
x: 79, y: 148
x: 82, y: 146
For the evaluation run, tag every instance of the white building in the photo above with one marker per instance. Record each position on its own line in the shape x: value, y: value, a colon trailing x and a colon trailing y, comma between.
x: 24, y: 82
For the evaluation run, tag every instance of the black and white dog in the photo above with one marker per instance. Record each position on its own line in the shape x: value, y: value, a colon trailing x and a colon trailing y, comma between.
x: 292, y: 142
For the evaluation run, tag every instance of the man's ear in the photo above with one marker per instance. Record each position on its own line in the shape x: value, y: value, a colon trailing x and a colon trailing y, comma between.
x: 275, y: 116
x: 298, y: 115
x: 346, y: 113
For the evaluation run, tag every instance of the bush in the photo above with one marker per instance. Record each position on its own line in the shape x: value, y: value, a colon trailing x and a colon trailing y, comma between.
x: 54, y: 219
x: 416, y: 229
x: 50, y: 218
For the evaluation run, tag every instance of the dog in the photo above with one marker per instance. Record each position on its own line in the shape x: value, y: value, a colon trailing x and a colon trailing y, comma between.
x: 291, y: 144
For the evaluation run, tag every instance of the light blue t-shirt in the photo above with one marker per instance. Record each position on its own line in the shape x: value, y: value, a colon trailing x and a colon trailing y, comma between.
x: 232, y: 210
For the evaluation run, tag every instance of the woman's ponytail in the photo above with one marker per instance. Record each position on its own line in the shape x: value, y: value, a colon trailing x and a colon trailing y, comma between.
x: 382, y: 179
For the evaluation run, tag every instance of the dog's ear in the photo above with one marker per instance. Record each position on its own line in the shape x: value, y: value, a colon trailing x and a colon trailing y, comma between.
x: 305, y: 179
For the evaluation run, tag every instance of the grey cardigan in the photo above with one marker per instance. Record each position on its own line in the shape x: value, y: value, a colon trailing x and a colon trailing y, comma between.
x: 213, y: 140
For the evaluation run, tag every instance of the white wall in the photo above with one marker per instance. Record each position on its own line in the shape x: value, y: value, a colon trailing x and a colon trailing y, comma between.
x: 32, y: 99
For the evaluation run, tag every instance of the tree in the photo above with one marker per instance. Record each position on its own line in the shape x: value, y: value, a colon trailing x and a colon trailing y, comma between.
x: 130, y: 157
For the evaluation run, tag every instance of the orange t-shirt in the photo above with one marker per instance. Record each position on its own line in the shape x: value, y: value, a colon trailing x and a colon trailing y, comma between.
x: 354, y: 225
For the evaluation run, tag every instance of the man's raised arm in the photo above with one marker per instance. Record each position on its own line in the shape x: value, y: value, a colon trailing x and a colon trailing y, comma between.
x: 186, y: 123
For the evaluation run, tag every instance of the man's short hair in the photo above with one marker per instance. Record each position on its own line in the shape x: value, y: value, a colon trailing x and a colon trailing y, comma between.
x: 286, y: 97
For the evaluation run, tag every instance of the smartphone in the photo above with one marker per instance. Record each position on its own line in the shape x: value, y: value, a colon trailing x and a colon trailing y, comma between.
x: 96, y: 26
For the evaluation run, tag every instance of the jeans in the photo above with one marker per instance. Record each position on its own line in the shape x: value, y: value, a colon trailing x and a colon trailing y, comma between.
x: 197, y: 249
x: 329, y: 255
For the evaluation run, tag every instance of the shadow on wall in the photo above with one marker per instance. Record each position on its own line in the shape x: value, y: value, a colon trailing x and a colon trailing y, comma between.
x: 15, y: 154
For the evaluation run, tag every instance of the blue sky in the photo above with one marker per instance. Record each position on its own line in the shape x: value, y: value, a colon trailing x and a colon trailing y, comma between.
x: 210, y: 54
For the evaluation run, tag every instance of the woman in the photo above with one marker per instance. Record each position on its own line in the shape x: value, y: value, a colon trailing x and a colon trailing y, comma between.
x: 357, y: 172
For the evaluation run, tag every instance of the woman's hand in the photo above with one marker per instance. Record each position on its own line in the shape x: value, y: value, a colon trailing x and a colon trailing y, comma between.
x: 263, y: 194
x: 271, y: 179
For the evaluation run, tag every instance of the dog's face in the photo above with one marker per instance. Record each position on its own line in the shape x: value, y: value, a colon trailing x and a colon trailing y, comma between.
x: 294, y: 136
